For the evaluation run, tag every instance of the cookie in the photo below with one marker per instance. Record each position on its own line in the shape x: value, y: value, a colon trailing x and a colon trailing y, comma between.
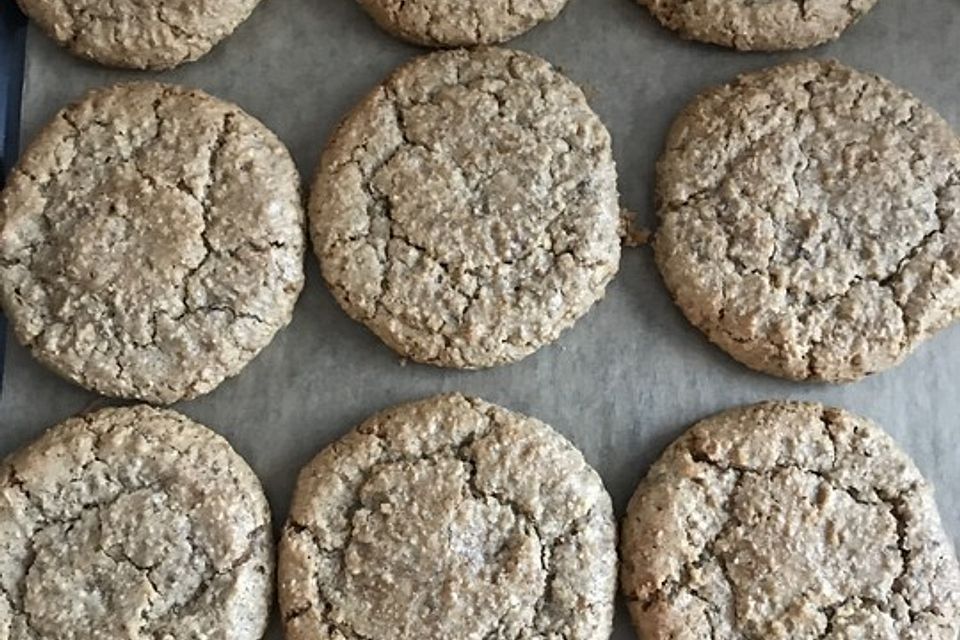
x: 460, y: 23
x: 136, y: 34
x: 448, y: 518
x: 808, y: 220
x: 769, y: 25
x: 133, y: 523
x: 151, y: 242
x: 788, y: 520
x: 466, y: 210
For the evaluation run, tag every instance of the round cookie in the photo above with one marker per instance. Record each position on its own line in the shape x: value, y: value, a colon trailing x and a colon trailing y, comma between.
x: 809, y: 220
x: 768, y: 25
x: 788, y: 520
x: 448, y: 518
x: 466, y: 211
x: 133, y: 522
x: 137, y: 34
x: 151, y: 242
x: 460, y: 23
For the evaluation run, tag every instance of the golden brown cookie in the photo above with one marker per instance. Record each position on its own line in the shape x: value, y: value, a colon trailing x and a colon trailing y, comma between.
x: 448, y: 518
x: 788, y: 520
x: 133, y: 523
x: 156, y: 34
x: 466, y: 211
x: 809, y: 220
x: 460, y: 23
x: 151, y: 242
x: 767, y: 25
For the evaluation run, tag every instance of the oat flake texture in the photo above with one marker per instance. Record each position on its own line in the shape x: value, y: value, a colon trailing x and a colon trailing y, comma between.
x: 808, y: 220
x: 786, y: 521
x: 448, y: 518
x: 151, y: 242
x: 138, y: 34
x: 466, y: 211
x: 759, y: 25
x: 133, y: 523
x: 460, y: 23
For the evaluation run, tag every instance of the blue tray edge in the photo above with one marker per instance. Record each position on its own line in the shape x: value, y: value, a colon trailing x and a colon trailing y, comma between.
x: 13, y: 38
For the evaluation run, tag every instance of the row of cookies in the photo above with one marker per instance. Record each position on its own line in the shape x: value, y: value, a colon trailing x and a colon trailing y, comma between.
x: 454, y: 518
x: 128, y: 33
x: 466, y: 211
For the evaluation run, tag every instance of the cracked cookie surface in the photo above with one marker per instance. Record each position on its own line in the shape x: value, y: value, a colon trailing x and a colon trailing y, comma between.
x: 460, y: 23
x: 159, y: 34
x: 788, y: 520
x: 136, y: 523
x: 466, y: 211
x: 759, y: 25
x: 152, y: 242
x: 448, y: 518
x: 809, y: 220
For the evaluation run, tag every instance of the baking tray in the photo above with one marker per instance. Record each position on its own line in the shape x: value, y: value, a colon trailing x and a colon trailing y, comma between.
x: 632, y: 374
x: 13, y: 33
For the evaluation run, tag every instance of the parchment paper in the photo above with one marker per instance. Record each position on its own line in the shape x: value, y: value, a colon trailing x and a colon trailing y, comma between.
x: 631, y: 375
